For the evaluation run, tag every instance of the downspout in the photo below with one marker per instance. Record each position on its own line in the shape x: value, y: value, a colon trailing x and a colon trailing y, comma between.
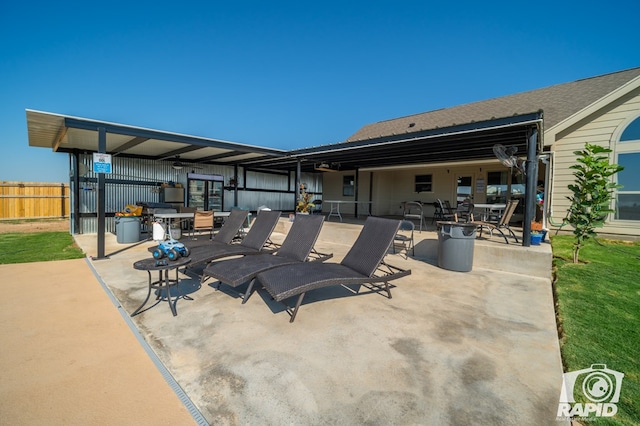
x: 548, y: 190
x: 530, y: 189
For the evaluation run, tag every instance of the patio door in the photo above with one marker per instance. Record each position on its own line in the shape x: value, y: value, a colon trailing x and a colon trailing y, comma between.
x: 464, y: 188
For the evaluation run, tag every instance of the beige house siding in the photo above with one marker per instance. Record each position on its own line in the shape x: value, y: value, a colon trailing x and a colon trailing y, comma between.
x: 392, y: 187
x: 601, y: 128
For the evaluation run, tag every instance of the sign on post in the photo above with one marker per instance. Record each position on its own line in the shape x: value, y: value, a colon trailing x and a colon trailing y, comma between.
x: 101, y: 163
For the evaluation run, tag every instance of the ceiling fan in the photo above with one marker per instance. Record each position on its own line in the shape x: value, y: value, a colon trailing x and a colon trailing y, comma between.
x: 507, y: 157
x: 178, y: 165
x: 326, y: 166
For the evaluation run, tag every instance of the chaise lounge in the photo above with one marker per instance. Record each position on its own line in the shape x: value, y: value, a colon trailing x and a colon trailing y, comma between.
x: 254, y: 242
x: 229, y: 230
x: 297, y: 247
x: 362, y: 265
x: 501, y: 223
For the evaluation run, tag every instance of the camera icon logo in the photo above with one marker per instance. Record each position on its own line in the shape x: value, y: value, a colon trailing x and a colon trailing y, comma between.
x: 597, y: 384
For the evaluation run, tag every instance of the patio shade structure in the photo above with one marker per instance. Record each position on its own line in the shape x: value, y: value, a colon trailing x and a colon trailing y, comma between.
x: 470, y: 141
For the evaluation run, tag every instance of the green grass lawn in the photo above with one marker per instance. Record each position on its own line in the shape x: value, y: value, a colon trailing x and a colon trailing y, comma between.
x: 599, y: 315
x: 37, y: 247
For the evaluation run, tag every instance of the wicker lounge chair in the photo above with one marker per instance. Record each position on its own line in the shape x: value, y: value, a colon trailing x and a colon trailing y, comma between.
x: 502, y: 223
x: 227, y: 232
x: 362, y: 265
x: 297, y: 247
x: 252, y: 243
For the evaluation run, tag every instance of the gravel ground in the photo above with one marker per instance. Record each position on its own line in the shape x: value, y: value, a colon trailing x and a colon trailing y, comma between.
x: 34, y: 226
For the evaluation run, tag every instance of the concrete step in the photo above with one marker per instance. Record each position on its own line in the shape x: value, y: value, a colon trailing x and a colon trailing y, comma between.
x: 489, y: 253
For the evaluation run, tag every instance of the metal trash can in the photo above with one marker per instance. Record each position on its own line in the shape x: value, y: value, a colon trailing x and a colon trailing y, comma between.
x: 455, y: 245
x: 127, y: 229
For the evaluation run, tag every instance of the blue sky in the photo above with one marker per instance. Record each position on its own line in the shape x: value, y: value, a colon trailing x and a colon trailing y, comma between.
x: 285, y: 74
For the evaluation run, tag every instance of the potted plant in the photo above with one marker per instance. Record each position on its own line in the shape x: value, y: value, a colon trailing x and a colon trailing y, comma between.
x: 304, y: 205
x: 538, y: 233
x: 536, y: 238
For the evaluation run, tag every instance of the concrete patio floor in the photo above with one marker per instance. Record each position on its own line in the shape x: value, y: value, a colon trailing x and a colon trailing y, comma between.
x: 449, y: 348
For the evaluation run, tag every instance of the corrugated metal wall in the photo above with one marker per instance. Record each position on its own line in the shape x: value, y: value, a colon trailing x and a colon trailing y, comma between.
x: 275, y: 191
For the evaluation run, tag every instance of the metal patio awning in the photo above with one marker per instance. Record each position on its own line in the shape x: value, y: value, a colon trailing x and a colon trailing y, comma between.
x: 471, y: 141
x: 73, y: 134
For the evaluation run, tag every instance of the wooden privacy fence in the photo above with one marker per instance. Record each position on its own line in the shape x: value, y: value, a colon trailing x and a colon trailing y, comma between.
x: 32, y: 200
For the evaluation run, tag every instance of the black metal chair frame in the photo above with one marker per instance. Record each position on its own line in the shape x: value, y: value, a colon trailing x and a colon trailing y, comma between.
x: 464, y: 211
x: 446, y: 212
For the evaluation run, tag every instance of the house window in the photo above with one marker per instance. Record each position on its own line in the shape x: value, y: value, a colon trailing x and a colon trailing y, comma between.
x: 423, y: 183
x: 348, y: 186
x: 632, y: 132
x: 628, y: 156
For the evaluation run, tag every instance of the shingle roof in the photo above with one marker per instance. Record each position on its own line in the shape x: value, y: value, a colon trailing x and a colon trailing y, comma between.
x: 557, y: 103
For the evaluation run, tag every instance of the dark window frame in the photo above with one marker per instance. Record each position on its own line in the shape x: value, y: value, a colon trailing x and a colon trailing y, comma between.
x: 423, y: 183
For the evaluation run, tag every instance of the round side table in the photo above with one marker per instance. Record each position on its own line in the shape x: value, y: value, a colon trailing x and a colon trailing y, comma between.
x: 164, y: 283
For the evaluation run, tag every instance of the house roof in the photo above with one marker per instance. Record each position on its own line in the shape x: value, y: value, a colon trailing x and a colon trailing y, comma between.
x: 557, y: 103
x: 469, y: 131
x: 464, y: 132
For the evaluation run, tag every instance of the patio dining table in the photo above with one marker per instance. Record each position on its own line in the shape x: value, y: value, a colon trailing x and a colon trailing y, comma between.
x: 181, y: 217
x: 335, y: 207
x: 489, y: 209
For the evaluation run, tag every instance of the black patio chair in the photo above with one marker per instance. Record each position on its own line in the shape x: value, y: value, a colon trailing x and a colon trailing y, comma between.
x: 317, y: 207
x: 464, y: 212
x: 297, y: 247
x: 363, y: 265
x: 446, y: 213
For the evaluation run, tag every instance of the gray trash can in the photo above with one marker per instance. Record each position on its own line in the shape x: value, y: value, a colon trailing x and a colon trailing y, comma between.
x: 176, y: 231
x: 455, y: 245
x: 127, y: 229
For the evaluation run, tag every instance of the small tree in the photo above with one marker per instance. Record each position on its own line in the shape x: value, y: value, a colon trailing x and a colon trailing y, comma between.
x: 592, y: 193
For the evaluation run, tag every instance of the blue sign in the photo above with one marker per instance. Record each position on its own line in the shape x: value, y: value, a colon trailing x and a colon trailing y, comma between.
x: 101, y: 163
x: 102, y: 167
